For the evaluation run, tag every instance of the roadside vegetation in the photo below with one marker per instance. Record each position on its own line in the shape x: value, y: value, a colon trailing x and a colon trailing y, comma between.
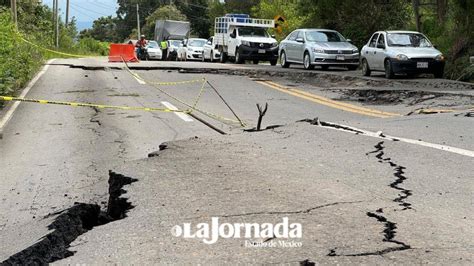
x: 19, y: 61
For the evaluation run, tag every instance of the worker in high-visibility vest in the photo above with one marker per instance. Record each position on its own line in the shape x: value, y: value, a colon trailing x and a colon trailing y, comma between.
x: 164, y: 49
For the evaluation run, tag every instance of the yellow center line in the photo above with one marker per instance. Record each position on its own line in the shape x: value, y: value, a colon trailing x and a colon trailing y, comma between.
x: 328, y: 102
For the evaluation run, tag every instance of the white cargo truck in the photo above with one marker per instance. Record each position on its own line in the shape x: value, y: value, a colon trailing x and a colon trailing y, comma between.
x: 173, y: 32
x: 241, y: 38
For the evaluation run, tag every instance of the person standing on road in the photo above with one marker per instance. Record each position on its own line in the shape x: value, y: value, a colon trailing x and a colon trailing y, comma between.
x: 141, y: 44
x: 164, y: 49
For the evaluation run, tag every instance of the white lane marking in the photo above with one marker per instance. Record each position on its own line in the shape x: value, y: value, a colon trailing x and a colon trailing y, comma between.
x: 14, y: 106
x: 380, y: 135
x: 141, y: 81
x: 183, y: 116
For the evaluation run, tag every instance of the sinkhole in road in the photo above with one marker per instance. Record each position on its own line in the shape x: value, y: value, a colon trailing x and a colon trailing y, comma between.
x: 73, y: 222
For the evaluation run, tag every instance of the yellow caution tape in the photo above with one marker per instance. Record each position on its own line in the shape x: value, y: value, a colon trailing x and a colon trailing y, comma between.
x: 100, y: 106
x: 193, y: 107
x: 157, y: 84
x: 54, y: 51
x: 171, y: 83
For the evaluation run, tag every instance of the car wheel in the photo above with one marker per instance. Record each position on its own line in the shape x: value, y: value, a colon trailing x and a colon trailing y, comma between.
x: 283, y: 61
x: 365, y: 68
x: 324, y: 67
x: 439, y: 73
x: 352, y: 68
x: 307, y: 62
x: 273, y: 62
x: 203, y: 59
x: 223, y: 57
x: 388, y: 69
x: 238, y: 58
x: 212, y: 57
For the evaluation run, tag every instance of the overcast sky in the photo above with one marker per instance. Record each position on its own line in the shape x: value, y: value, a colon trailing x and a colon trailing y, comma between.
x: 86, y: 11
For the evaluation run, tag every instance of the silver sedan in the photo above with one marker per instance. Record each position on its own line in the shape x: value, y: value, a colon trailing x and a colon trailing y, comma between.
x: 318, y: 47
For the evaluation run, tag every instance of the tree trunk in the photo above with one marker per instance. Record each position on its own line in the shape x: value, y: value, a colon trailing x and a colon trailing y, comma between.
x: 416, y: 9
x: 441, y: 10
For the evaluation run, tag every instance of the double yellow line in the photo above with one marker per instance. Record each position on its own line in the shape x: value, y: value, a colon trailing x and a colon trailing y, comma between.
x: 328, y: 102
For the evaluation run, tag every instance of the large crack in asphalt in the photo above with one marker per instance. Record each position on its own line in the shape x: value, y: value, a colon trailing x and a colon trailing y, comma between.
x: 399, y: 173
x: 390, y: 228
x: 73, y: 222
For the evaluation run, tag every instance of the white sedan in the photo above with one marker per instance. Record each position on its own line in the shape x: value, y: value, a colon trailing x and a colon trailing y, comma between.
x: 191, y: 49
x: 153, y: 51
x: 210, y: 52
x: 407, y: 52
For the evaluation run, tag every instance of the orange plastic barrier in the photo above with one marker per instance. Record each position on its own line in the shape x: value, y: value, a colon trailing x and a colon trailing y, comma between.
x: 118, y: 51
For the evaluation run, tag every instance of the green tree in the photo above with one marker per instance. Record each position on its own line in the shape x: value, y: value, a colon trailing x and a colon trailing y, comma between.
x: 242, y: 7
x: 355, y: 19
x: 127, y: 14
x: 288, y: 9
x: 197, y: 12
x: 165, y: 12
x: 103, y: 29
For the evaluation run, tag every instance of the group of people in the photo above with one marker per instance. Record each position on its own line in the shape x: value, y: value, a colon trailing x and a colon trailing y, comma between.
x: 141, y: 47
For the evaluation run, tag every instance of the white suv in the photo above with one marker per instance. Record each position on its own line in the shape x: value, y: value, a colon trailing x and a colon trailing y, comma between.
x: 408, y: 52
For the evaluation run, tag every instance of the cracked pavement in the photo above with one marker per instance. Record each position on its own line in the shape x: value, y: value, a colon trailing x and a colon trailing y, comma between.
x: 360, y: 198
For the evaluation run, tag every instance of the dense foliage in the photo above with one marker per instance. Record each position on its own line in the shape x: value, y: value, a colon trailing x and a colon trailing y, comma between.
x: 19, y: 60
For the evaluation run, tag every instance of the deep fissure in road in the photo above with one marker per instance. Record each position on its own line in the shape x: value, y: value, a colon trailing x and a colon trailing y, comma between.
x: 399, y: 174
x: 73, y: 222
x: 390, y: 228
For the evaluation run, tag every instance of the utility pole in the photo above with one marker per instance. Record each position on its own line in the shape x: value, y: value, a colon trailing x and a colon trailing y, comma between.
x: 138, y: 24
x: 67, y: 13
x: 14, y: 13
x: 57, y: 23
x: 54, y: 18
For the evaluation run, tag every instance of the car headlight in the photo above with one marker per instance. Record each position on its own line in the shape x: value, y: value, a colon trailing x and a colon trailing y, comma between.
x: 354, y: 51
x: 401, y: 57
x: 275, y: 44
x: 440, y: 57
x: 245, y: 43
x: 190, y: 50
x: 318, y: 50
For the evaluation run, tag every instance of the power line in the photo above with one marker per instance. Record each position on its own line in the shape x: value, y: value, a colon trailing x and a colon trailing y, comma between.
x: 82, y: 13
x: 103, y: 5
x: 90, y: 10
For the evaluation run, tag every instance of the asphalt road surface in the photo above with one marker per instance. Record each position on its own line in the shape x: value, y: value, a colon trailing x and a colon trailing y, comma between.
x: 376, y: 171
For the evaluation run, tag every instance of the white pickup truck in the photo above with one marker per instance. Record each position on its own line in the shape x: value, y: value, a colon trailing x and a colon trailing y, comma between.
x: 241, y: 38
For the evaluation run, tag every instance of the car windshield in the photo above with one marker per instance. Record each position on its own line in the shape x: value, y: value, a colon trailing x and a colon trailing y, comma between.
x: 407, y: 40
x: 153, y: 44
x: 252, y: 32
x: 197, y: 43
x: 175, y: 43
x: 324, y: 36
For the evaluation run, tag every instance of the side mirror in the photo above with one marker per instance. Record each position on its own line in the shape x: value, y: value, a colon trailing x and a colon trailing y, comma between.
x: 273, y: 36
x: 435, y: 46
x: 209, y: 43
x: 349, y: 40
x: 232, y: 35
x: 301, y: 40
x: 380, y: 46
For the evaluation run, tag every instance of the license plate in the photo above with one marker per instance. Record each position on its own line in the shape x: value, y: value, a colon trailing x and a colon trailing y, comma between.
x: 340, y: 57
x: 422, y: 65
x: 261, y: 51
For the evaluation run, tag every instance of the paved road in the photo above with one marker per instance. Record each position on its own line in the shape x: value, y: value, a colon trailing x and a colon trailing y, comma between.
x: 53, y: 156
